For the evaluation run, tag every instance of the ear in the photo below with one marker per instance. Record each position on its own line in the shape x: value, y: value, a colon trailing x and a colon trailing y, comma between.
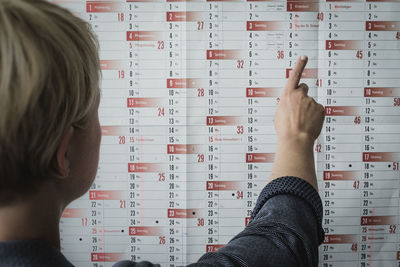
x: 63, y: 162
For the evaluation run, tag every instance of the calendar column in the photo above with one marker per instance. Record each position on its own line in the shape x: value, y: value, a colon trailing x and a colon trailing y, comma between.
x: 265, y: 66
x: 147, y: 104
x: 180, y: 157
x: 340, y: 176
x: 213, y: 41
x: 226, y: 59
x: 200, y: 159
x: 108, y: 203
x: 380, y: 218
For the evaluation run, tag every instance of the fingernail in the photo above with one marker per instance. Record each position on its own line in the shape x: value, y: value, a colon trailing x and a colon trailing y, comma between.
x: 303, y: 57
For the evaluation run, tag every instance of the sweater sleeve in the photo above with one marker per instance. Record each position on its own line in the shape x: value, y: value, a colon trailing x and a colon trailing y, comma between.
x: 285, y: 229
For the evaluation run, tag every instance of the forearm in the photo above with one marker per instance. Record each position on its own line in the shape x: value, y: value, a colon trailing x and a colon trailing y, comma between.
x: 298, y: 123
x: 295, y: 158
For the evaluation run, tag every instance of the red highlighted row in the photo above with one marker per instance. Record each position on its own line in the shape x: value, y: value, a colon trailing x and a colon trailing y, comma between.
x: 382, y: 92
x: 382, y: 25
x: 183, y: 149
x: 381, y: 157
x: 183, y: 213
x: 144, y: 167
x: 260, y: 157
x: 340, y: 239
x: 259, y: 91
x: 183, y: 16
x: 343, y: 45
x: 145, y: 231
x: 340, y: 175
x: 263, y: 92
x: 341, y: 111
x: 106, y: 257
x: 378, y: 220
x: 183, y: 83
x: 143, y: 102
x: 222, y: 185
x: 223, y: 54
x: 143, y: 35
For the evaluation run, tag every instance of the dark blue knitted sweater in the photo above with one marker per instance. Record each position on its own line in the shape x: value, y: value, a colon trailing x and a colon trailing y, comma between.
x: 285, y: 230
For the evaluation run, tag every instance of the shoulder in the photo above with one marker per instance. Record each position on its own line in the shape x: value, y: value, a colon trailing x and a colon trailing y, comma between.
x: 35, y: 253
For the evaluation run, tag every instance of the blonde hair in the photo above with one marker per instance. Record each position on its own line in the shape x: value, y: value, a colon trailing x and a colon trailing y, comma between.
x: 49, y: 74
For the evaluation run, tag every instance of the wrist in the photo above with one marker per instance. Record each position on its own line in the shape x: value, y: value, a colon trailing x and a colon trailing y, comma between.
x: 299, y: 142
x: 295, y: 158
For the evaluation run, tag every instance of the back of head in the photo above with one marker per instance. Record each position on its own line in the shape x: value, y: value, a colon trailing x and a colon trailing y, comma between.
x: 49, y: 73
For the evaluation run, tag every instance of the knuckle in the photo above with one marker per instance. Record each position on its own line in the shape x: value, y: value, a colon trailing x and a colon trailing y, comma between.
x: 303, y: 88
x: 303, y: 85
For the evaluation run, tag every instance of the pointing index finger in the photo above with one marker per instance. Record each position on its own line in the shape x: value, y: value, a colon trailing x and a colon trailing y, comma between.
x: 295, y: 74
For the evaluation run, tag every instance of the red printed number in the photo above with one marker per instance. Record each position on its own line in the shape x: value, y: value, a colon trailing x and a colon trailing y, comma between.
x: 200, y: 92
x: 161, y: 112
x: 161, y: 177
x: 359, y: 54
x: 240, y: 129
x: 200, y: 158
x: 280, y: 54
x: 320, y: 16
x: 121, y: 140
x: 160, y: 45
x: 121, y: 17
x: 396, y: 166
x: 200, y: 221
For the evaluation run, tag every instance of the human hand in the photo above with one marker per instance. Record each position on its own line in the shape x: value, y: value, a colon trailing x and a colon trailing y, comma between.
x: 298, y: 117
x: 298, y: 122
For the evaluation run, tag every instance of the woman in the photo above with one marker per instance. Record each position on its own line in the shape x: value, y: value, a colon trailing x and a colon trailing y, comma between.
x: 50, y: 138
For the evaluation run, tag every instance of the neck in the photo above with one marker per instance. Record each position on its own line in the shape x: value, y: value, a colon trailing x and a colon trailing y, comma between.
x: 36, y: 217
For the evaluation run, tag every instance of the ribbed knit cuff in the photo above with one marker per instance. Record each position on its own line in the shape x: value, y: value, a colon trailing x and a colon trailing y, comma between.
x: 294, y: 186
